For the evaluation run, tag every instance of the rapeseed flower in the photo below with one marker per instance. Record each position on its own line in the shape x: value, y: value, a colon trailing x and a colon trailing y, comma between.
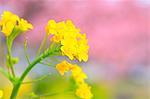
x: 83, y: 90
x: 24, y: 25
x: 74, y: 44
x: 63, y: 67
x: 10, y: 22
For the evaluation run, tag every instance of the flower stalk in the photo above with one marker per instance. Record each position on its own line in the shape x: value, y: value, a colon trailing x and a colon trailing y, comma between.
x: 9, y: 58
x: 18, y: 82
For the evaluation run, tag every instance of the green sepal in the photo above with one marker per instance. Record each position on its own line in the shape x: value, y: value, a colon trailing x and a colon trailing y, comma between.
x: 15, y: 60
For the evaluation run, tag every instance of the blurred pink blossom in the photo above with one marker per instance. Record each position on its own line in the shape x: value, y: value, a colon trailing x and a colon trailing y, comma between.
x: 117, y: 29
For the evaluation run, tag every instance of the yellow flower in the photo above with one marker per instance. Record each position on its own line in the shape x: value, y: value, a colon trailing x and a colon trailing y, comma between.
x: 84, y: 91
x: 23, y: 25
x: 69, y: 47
x: 11, y: 22
x: 82, y: 52
x: 51, y: 27
x: 75, y: 70
x: 1, y: 93
x: 63, y: 67
x: 56, y: 38
x: 8, y: 22
x: 74, y: 44
x: 79, y: 78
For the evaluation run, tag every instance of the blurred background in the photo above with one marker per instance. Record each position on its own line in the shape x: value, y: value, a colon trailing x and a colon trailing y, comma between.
x: 119, y: 37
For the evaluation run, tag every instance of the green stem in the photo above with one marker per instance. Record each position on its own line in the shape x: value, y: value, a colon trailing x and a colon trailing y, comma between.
x: 10, y: 62
x: 4, y: 73
x: 26, y: 53
x: 42, y: 44
x: 52, y: 94
x: 36, y: 80
x: 28, y: 69
x: 47, y: 64
x: 9, y: 58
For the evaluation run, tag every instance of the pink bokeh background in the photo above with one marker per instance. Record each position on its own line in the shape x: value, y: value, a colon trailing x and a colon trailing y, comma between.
x: 118, y: 30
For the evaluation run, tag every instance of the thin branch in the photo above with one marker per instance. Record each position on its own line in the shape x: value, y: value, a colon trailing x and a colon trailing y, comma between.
x: 53, y: 59
x: 25, y: 50
x: 43, y: 43
x: 4, y: 73
x: 47, y: 64
x: 56, y: 93
x: 39, y: 79
x: 9, y: 57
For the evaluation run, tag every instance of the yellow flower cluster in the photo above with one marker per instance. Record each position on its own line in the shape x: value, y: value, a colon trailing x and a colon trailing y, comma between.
x: 84, y: 90
x: 74, y: 44
x: 9, y: 22
x: 63, y: 67
x: 1, y: 94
